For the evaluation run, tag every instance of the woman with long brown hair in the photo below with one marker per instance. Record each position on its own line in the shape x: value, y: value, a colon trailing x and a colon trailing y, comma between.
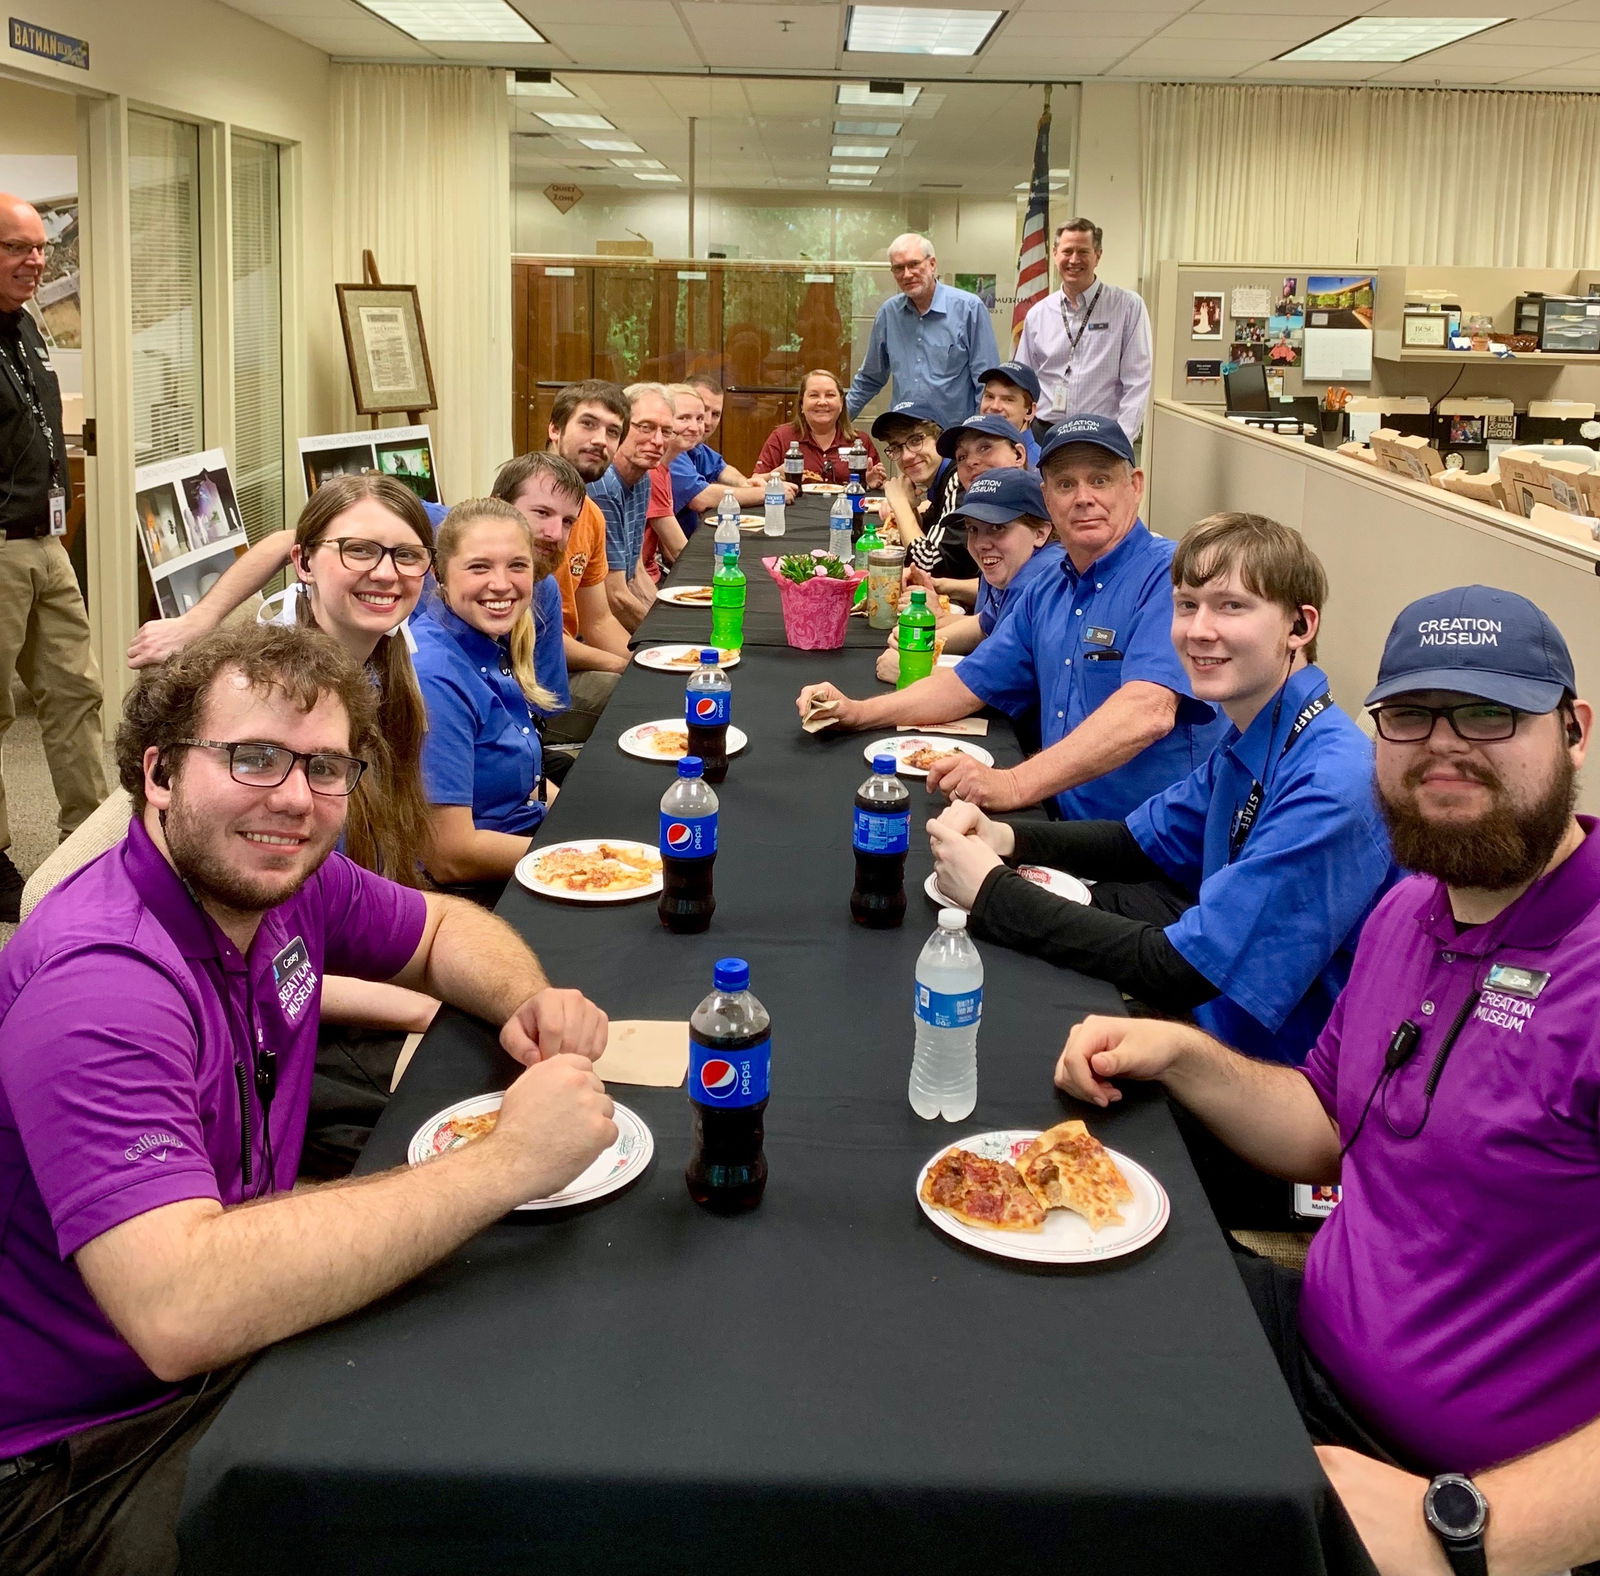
x: 822, y: 428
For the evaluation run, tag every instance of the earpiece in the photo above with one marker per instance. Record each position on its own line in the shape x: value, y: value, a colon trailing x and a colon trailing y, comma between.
x: 1574, y: 732
x: 1298, y: 627
x: 160, y: 772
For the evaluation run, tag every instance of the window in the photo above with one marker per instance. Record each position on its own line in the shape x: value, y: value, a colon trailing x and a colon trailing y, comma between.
x: 257, y: 453
x: 164, y: 224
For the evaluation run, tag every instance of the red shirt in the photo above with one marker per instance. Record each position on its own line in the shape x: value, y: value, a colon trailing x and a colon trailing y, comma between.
x: 828, y: 464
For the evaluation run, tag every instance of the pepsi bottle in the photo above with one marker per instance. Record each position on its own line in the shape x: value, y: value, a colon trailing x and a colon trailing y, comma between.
x: 688, y: 851
x: 730, y: 1073
x: 707, y: 708
x: 881, y: 836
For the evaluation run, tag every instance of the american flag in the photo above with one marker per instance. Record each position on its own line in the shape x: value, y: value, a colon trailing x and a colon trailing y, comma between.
x: 1033, y: 260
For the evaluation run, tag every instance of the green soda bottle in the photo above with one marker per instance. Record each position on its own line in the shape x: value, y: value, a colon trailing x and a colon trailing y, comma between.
x: 867, y: 542
x: 915, y: 638
x: 727, y: 605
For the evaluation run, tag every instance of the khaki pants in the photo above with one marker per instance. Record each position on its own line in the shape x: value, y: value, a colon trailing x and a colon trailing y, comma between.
x: 591, y: 689
x: 44, y: 641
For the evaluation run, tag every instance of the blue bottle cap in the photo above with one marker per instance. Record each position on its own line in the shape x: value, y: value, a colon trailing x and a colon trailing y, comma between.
x: 711, y: 655
x: 884, y: 764
x: 731, y: 974
x: 690, y: 766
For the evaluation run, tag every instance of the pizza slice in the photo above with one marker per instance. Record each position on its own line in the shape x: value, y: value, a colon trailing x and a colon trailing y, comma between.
x: 1069, y: 1168
x: 981, y: 1192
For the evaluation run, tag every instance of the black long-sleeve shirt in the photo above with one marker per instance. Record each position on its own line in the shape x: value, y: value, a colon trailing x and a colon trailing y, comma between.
x: 25, y: 450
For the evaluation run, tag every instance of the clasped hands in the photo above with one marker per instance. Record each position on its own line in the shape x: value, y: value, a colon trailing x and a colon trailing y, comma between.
x: 967, y: 845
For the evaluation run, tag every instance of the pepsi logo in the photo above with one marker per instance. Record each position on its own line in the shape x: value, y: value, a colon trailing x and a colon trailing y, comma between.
x: 679, y: 836
x: 705, y: 707
x: 719, y: 1078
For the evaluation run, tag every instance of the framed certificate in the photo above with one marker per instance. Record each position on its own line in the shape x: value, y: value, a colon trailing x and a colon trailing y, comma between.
x: 1423, y: 330
x: 386, y: 348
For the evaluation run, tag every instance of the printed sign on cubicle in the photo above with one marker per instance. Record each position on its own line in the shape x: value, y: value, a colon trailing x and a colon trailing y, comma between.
x: 405, y: 453
x: 189, y: 525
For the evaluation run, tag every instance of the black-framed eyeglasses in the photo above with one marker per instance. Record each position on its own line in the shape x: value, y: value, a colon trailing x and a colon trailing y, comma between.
x: 895, y: 447
x: 24, y: 248
x: 1476, y: 721
x: 259, y: 765
x: 413, y: 559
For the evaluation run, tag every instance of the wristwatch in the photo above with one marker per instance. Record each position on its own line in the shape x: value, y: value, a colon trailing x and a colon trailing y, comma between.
x: 1457, y: 1513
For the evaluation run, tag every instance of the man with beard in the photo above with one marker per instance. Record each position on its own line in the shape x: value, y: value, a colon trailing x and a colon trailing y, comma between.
x: 158, y: 1019
x: 1442, y: 1347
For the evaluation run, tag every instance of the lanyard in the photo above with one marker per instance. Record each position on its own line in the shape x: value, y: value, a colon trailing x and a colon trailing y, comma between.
x: 22, y: 376
x: 1066, y: 323
x: 1244, y: 819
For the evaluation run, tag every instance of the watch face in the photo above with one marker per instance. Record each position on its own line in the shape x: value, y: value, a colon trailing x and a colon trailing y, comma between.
x: 1456, y: 1508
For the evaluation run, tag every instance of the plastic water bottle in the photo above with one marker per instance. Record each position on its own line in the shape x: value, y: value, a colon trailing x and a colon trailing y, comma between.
x: 949, y: 1008
x: 727, y: 605
x: 915, y: 639
x: 772, y: 501
x: 794, y: 468
x: 727, y: 537
x: 839, y: 534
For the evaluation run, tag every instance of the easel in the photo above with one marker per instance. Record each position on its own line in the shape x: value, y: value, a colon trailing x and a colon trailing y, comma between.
x: 369, y: 275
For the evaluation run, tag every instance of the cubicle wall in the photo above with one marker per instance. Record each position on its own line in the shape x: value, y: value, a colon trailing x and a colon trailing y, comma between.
x: 1384, y: 541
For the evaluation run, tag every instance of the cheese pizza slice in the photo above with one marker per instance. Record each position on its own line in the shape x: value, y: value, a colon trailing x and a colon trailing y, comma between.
x: 1069, y: 1168
x: 981, y: 1192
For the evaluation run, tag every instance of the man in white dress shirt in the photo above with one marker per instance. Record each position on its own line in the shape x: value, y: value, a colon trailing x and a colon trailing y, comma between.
x: 1089, y: 341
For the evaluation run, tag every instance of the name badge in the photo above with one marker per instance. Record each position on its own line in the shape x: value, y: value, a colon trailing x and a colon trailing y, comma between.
x: 288, y: 962
x: 1510, y: 980
x: 1094, y: 635
x: 57, y: 506
x: 1094, y: 326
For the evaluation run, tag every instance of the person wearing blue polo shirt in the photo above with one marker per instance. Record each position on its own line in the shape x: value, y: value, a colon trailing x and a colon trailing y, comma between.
x: 974, y: 447
x: 1012, y: 390
x: 481, y: 661
x: 700, y: 476
x: 1090, y: 648
x: 1238, y: 893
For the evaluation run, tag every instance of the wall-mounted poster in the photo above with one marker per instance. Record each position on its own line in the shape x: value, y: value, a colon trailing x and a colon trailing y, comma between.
x: 189, y: 526
x: 1339, y: 301
x: 405, y: 453
x: 1206, y: 319
x: 981, y: 285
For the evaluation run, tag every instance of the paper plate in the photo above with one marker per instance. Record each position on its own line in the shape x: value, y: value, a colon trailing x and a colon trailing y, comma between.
x: 1066, y: 1237
x: 613, y: 1168
x: 1069, y: 888
x: 685, y: 596
x: 825, y: 489
x: 902, y: 745
x: 668, y: 659
x: 640, y: 739
x: 527, y: 868
x: 752, y: 522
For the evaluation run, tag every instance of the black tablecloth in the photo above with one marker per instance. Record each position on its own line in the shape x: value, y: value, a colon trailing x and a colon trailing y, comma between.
x: 830, y: 1383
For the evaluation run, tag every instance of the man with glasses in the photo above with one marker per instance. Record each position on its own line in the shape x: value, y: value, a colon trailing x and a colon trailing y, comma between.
x: 1442, y: 1346
x: 44, y: 629
x: 623, y: 495
x: 158, y: 1022
x: 933, y: 341
x: 1089, y: 341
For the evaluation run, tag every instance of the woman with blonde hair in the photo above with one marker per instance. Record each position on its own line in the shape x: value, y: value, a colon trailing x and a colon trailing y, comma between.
x: 822, y: 428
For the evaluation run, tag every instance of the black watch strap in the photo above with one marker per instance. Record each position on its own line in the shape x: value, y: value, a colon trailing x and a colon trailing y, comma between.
x: 1461, y: 1539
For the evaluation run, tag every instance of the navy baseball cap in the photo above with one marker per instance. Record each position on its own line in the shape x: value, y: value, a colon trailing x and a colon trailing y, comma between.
x: 998, y: 497
x: 992, y: 426
x: 1024, y: 377
x: 1479, y: 641
x: 906, y: 414
x: 1101, y: 431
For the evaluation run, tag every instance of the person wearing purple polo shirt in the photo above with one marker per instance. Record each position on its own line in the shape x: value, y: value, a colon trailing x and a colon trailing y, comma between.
x: 1443, y: 1345
x: 158, y: 1023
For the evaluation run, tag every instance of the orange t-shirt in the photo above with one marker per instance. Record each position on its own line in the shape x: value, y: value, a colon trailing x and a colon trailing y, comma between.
x: 585, y: 563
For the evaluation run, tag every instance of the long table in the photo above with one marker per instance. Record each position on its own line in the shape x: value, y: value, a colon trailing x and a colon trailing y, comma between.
x: 829, y: 1383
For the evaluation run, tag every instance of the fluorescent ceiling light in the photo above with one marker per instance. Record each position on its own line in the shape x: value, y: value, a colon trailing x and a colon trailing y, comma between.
x: 1391, y: 37
x: 906, y: 30
x: 861, y: 93
x: 550, y: 89
x: 639, y: 164
x: 641, y: 175
x: 866, y: 128
x: 570, y: 122
x: 853, y: 169
x: 837, y: 182
x: 860, y: 150
x: 611, y: 144
x: 457, y: 21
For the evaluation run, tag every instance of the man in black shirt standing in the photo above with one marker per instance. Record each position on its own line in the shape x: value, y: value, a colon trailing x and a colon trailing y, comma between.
x: 44, y: 629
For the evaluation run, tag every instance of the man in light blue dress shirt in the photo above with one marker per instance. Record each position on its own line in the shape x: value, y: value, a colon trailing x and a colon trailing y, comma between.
x: 935, y: 342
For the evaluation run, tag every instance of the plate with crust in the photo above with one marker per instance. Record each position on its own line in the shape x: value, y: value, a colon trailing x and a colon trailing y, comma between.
x: 667, y: 739
x: 592, y: 870
x: 914, y: 753
x: 682, y: 659
x: 1058, y: 882
x: 685, y: 596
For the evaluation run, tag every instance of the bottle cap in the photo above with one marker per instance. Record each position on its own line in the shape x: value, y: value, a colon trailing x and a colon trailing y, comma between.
x: 729, y: 974
x: 919, y: 596
x: 690, y: 766
x: 952, y: 919
x: 710, y: 654
x: 884, y: 765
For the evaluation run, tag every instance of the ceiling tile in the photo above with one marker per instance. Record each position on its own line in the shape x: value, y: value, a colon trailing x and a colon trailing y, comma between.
x: 1581, y: 77
x: 1241, y: 52
x: 1569, y: 35
x: 1064, y: 27
x: 1286, y: 30
x: 1575, y: 11
x: 590, y: 45
x: 1457, y: 8
x: 1329, y: 71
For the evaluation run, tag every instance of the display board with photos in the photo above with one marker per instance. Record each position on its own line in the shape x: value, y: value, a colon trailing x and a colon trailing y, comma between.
x: 189, y: 526
x: 405, y: 453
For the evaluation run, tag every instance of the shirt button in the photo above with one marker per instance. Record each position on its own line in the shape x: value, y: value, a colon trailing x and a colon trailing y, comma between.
x: 1449, y: 957
x: 1079, y: 613
x: 1068, y: 662
x: 1098, y: 586
x: 524, y: 730
x: 1427, y: 1008
x: 483, y: 670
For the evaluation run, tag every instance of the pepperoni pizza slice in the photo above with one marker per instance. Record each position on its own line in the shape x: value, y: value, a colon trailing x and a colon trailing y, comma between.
x: 982, y: 1192
x: 1067, y: 1167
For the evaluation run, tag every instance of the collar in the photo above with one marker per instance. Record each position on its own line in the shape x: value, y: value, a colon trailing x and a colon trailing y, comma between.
x: 163, y: 892
x: 481, y: 648
x: 1135, y: 542
x: 1540, y: 918
x: 1260, y: 744
x: 939, y: 302
x: 1093, y: 285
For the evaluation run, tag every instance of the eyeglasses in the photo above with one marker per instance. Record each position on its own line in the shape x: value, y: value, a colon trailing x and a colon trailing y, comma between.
x: 267, y: 765
x: 23, y: 248
x: 1476, y: 721
x: 356, y: 552
x: 894, y: 448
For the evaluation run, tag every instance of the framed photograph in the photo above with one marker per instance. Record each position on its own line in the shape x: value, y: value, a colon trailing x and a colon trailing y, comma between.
x: 386, y: 348
x: 1423, y: 330
x: 1206, y: 319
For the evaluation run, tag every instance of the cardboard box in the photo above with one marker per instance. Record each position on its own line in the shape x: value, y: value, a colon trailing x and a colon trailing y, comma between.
x: 1570, y: 527
x: 1564, y: 478
x: 1524, y: 497
x: 1358, y: 451
x: 1481, y: 487
x: 1562, y: 409
x: 1519, y: 468
x: 1413, y: 458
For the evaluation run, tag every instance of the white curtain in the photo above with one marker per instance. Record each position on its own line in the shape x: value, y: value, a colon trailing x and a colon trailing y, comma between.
x: 1370, y: 176
x: 421, y: 161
